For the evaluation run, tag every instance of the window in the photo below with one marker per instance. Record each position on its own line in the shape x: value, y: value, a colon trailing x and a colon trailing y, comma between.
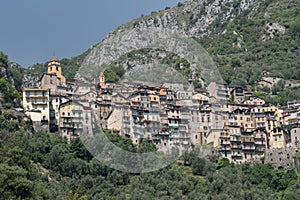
x: 27, y: 93
x: 63, y: 113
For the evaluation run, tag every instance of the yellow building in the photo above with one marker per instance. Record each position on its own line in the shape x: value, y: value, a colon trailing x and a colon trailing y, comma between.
x: 242, y: 118
x: 277, y: 138
x: 74, y: 119
x: 267, y: 117
x: 102, y: 80
x: 36, y: 105
x: 154, y: 100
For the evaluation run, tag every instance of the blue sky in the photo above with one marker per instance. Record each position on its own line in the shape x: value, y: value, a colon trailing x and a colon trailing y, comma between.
x: 33, y: 30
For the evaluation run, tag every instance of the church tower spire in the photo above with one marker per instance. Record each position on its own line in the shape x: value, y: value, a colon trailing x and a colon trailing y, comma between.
x: 55, y: 68
x: 102, y: 80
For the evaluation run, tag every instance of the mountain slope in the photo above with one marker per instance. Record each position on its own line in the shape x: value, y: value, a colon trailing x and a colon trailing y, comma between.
x: 244, y: 37
x: 266, y: 38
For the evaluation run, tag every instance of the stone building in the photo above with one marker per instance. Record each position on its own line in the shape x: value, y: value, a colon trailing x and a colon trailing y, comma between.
x: 295, y: 137
x: 218, y: 90
x: 280, y: 158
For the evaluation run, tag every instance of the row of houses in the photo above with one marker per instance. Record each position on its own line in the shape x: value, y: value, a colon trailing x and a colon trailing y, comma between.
x: 168, y: 115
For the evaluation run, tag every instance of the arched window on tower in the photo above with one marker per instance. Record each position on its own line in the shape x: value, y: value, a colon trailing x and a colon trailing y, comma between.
x: 56, y: 68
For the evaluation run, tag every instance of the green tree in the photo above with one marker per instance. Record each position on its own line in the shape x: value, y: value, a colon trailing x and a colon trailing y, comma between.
x: 111, y: 76
x: 278, y: 87
x: 198, y: 166
x: 223, y: 162
x: 3, y: 59
x: 14, y: 183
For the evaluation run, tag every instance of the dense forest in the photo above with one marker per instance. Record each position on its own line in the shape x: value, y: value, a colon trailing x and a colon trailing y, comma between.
x: 38, y: 165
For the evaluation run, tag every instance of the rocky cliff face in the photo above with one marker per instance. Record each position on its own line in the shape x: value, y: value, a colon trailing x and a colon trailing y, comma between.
x: 30, y: 81
x: 194, y: 18
x: 17, y: 72
x: 13, y: 73
x: 5, y: 72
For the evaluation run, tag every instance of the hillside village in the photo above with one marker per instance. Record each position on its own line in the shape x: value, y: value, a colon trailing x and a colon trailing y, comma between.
x: 235, y: 124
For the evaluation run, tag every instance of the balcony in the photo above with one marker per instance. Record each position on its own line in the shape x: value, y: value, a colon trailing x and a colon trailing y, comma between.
x: 236, y: 155
x: 260, y: 143
x: 236, y: 147
x: 71, y: 125
x: 224, y: 137
x: 37, y: 96
x: 235, y: 139
x: 248, y: 148
x: 67, y: 126
x: 39, y: 103
x: 277, y: 133
x: 260, y: 125
x: 225, y: 149
x: 174, y: 136
x: 165, y: 133
x: 225, y: 143
x: 260, y: 149
x: 248, y: 140
x: 156, y: 138
x: 173, y: 126
x: 176, y: 141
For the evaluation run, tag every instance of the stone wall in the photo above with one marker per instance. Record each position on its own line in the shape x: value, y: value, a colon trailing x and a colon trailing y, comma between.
x: 281, y: 158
